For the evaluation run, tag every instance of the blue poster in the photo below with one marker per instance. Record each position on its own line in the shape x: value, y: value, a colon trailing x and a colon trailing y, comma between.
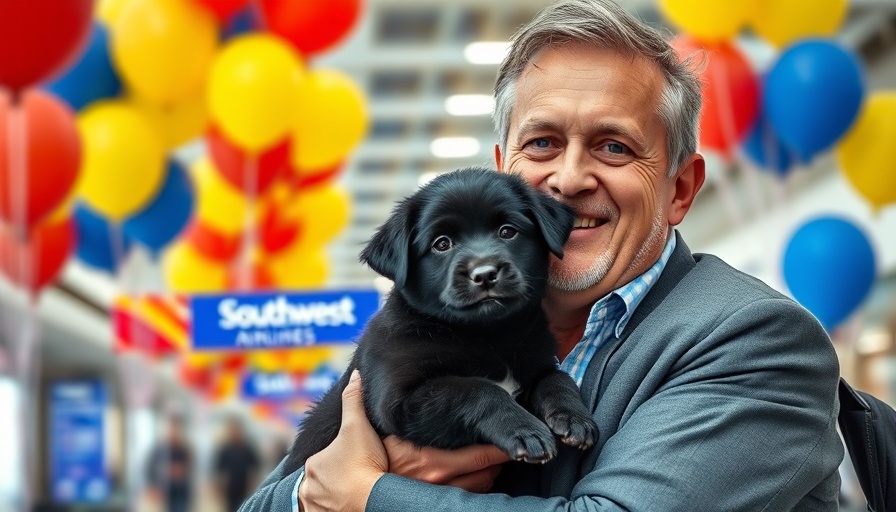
x: 283, y: 386
x: 283, y: 320
x: 77, y: 441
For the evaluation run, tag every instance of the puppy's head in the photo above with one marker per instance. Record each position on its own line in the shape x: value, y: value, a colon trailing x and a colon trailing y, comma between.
x: 471, y: 245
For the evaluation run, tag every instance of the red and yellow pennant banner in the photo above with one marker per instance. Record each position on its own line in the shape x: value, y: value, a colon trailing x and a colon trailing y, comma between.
x: 155, y: 324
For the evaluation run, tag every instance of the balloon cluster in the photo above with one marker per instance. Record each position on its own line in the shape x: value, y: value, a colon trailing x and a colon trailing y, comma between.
x: 811, y: 100
x: 88, y: 161
x: 40, y: 150
x: 217, y: 375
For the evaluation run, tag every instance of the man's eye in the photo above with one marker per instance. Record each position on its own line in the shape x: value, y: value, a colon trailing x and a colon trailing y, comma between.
x: 442, y: 244
x: 615, y: 148
x: 540, y: 143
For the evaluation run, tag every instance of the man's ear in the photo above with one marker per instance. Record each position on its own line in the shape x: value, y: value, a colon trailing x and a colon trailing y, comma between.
x: 554, y: 218
x: 387, y: 252
x: 498, y: 161
x: 688, y: 180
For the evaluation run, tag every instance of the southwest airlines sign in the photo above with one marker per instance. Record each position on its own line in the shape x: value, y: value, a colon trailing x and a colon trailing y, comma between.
x: 270, y: 321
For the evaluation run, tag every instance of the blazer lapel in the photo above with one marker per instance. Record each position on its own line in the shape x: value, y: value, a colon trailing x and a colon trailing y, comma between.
x: 680, y: 263
x: 561, y: 474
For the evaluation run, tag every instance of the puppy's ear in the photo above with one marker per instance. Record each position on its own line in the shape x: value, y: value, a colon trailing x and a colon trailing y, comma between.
x: 554, y: 218
x: 387, y: 252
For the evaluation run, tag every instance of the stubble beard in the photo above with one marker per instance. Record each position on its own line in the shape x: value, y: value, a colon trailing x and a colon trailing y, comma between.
x: 570, y: 280
x: 659, y: 229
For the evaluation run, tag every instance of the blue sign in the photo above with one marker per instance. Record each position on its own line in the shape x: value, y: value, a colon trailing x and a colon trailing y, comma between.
x: 77, y: 442
x: 260, y: 321
x: 279, y: 386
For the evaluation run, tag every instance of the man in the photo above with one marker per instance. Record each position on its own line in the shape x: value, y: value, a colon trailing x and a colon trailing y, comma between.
x: 170, y: 470
x: 710, y: 390
x: 236, y: 462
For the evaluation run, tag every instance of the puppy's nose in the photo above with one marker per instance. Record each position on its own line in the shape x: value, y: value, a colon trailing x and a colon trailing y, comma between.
x: 485, y: 275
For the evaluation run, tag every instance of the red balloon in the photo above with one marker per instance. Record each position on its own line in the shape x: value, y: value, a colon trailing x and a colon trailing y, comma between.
x: 39, y: 38
x: 196, y: 378
x: 310, y: 25
x: 44, y: 253
x: 298, y: 182
x: 277, y: 233
x: 212, y: 244
x: 234, y: 361
x: 52, y: 155
x: 232, y: 161
x: 223, y: 9
x: 730, y: 94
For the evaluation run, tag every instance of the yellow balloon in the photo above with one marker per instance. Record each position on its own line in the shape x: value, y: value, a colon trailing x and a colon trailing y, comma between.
x: 186, y: 271
x: 299, y: 267
x: 107, y: 11
x: 782, y: 22
x: 123, y: 165
x: 867, y: 152
x: 163, y: 48
x: 202, y: 359
x: 251, y: 90
x: 330, y: 120
x: 307, y: 359
x: 219, y: 204
x: 177, y: 124
x: 268, y: 361
x: 322, y: 212
x: 709, y: 20
x: 226, y: 386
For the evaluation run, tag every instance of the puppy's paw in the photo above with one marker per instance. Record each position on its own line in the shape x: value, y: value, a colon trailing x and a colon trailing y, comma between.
x: 532, y: 443
x: 575, y: 428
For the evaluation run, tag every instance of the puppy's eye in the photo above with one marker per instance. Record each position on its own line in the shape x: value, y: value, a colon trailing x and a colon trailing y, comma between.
x: 442, y: 244
x: 507, y: 232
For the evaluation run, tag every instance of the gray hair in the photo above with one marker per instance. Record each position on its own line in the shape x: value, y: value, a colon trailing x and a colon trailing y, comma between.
x: 606, y: 25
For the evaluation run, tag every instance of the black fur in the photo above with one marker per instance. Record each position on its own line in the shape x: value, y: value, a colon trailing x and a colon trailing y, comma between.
x: 460, y: 321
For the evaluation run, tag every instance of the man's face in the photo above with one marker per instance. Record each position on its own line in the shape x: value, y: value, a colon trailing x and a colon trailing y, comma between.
x: 585, y: 128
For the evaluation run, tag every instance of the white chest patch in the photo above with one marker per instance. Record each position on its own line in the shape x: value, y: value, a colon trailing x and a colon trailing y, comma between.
x: 510, y: 385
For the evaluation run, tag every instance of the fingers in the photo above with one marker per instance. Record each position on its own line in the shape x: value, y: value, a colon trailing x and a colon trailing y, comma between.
x: 471, y: 458
x: 353, y: 401
x: 477, y: 481
x: 439, y: 466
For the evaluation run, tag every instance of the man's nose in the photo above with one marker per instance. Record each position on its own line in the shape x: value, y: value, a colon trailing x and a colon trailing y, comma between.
x: 573, y: 176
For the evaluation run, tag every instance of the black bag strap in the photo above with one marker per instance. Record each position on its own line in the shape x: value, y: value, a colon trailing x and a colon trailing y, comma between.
x: 862, y: 429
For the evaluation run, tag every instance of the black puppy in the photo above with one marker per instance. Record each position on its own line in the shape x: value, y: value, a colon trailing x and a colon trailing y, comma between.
x: 461, y: 350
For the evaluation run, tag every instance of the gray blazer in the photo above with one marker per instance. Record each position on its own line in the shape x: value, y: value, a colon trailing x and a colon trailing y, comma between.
x: 719, y: 395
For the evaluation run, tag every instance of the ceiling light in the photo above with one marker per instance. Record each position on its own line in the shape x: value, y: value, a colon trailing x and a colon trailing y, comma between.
x: 874, y: 341
x: 469, y: 104
x: 454, y: 147
x: 486, y: 52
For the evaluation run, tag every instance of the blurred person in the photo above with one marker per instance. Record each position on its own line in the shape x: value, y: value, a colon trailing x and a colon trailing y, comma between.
x: 170, y: 469
x: 711, y: 391
x: 277, y: 450
x: 236, y: 463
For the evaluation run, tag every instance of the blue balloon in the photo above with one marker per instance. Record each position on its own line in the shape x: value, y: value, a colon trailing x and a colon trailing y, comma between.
x: 829, y: 266
x: 159, y: 223
x: 101, y: 244
x: 765, y: 149
x: 93, y: 77
x: 244, y: 21
x: 813, y: 93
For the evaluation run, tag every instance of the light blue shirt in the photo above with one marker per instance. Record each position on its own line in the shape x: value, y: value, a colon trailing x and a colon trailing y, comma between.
x: 611, y: 314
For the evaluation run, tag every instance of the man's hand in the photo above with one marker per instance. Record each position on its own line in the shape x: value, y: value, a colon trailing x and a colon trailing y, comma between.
x: 341, y: 476
x: 473, y: 468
